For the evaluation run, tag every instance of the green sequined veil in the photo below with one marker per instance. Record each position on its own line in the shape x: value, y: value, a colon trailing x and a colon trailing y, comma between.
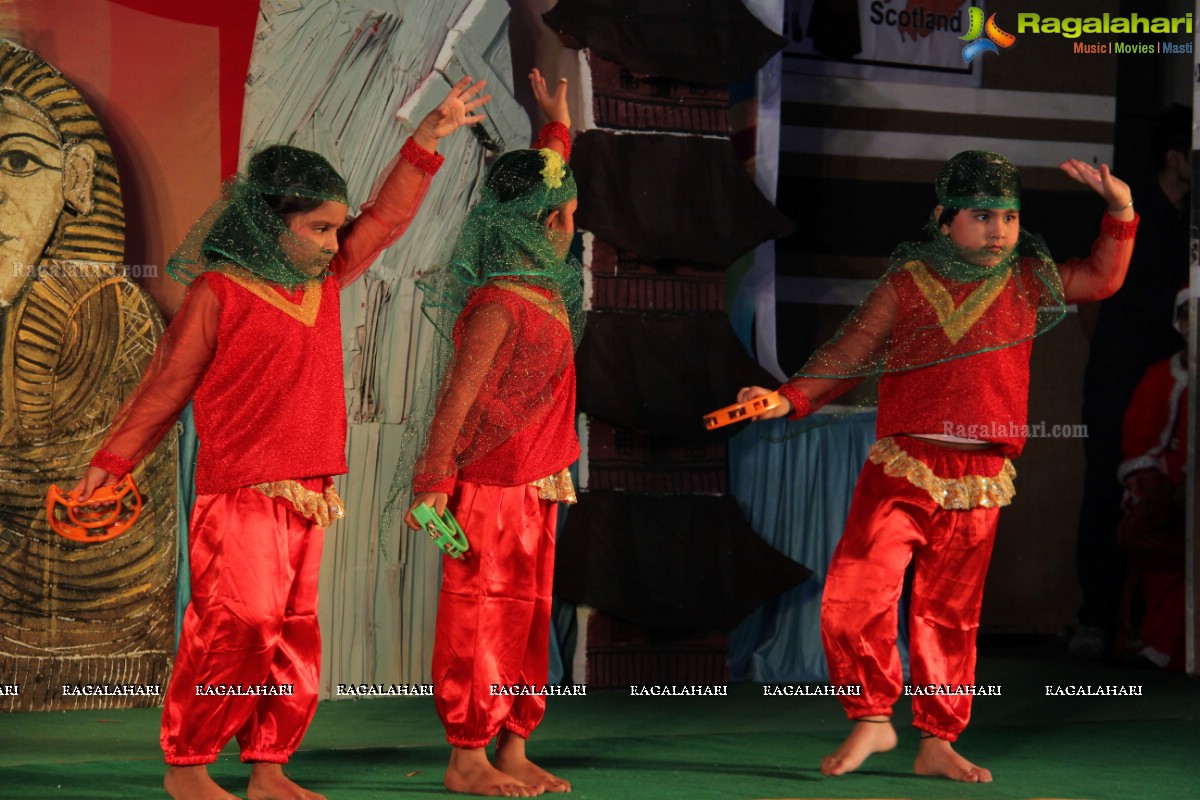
x: 504, y: 237
x: 242, y: 228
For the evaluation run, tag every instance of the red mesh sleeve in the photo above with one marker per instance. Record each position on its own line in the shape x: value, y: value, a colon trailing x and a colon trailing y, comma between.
x: 856, y: 351
x: 170, y: 380
x: 479, y: 351
x: 1100, y: 274
x: 385, y: 217
x: 801, y: 408
x: 428, y: 162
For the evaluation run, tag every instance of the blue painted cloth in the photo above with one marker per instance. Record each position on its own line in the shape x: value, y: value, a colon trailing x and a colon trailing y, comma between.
x: 186, y: 498
x: 794, y: 482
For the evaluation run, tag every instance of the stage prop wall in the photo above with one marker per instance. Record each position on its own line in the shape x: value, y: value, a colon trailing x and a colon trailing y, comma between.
x: 656, y: 545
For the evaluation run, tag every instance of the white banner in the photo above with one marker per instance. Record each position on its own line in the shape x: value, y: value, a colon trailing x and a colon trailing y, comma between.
x: 918, y: 41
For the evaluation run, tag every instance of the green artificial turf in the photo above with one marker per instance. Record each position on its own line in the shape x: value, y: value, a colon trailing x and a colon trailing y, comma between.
x: 614, y: 746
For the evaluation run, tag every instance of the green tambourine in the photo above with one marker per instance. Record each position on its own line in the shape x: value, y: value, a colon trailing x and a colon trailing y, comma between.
x: 445, y: 530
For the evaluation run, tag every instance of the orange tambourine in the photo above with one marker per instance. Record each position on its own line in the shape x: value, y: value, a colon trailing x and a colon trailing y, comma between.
x: 109, y: 512
x: 740, y: 411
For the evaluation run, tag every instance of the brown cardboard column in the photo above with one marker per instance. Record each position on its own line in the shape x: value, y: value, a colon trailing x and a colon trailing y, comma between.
x: 714, y: 42
x: 655, y: 540
x: 675, y: 198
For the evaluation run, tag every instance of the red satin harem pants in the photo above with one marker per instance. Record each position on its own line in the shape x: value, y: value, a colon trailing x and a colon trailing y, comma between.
x: 892, y: 521
x: 252, y: 622
x: 493, y: 620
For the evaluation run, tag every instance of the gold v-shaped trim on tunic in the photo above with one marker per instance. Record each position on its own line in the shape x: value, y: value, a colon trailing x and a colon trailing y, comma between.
x: 304, y: 312
x: 957, y: 320
x: 553, y: 307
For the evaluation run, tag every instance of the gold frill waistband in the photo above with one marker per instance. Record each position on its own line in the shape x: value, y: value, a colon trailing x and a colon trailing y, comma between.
x: 323, y: 509
x: 955, y: 494
x: 556, y: 488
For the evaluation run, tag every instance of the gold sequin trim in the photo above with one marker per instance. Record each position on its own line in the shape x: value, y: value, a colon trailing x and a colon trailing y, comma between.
x: 956, y: 320
x: 305, y: 312
x: 556, y: 488
x: 955, y: 494
x: 322, y: 509
x: 552, y: 306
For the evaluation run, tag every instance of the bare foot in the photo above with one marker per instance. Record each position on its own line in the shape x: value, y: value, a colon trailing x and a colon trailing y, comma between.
x: 471, y: 773
x: 870, y: 735
x: 937, y: 757
x: 267, y: 782
x: 511, y: 760
x: 193, y: 783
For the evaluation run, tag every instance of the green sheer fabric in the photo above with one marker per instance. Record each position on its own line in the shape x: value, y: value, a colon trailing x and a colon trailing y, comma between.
x: 505, y: 236
x: 880, y: 336
x: 245, y: 228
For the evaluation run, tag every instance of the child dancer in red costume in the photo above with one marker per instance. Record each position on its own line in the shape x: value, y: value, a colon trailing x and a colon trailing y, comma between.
x: 949, y: 329
x: 499, y: 443
x: 257, y: 342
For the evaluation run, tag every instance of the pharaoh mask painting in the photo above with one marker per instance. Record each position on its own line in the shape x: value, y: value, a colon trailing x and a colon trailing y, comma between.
x: 76, y: 334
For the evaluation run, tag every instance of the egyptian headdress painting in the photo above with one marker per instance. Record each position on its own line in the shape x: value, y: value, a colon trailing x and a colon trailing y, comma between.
x: 76, y: 333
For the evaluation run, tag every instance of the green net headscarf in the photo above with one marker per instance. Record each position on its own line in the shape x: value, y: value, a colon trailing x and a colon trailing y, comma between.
x: 958, y: 300
x: 979, y: 179
x: 505, y: 236
x: 246, y: 227
x: 506, y: 240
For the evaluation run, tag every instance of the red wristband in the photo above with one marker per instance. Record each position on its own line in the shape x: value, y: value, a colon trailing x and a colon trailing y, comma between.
x: 419, y: 157
x: 801, y: 407
x: 1119, y: 229
x: 434, y: 483
x: 555, y: 130
x: 112, y: 464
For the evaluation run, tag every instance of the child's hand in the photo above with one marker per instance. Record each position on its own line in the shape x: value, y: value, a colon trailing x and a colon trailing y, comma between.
x: 554, y: 106
x: 436, y: 499
x: 92, y: 480
x: 1115, y: 191
x: 453, y: 113
x: 750, y: 392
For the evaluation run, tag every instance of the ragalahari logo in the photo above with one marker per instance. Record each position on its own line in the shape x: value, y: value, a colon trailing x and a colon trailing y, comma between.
x: 996, y: 38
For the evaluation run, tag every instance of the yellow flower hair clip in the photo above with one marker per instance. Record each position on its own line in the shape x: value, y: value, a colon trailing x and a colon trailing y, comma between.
x: 555, y: 169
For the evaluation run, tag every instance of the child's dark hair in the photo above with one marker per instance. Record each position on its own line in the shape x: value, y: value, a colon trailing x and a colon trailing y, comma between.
x: 516, y: 173
x: 528, y: 184
x: 286, y: 205
x: 293, y: 180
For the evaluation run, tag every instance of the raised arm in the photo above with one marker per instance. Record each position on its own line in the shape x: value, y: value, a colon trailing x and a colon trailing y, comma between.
x: 175, y: 370
x: 398, y: 196
x: 556, y: 133
x: 1101, y: 274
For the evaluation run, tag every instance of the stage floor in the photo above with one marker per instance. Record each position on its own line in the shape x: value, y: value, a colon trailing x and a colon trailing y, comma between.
x: 614, y: 746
